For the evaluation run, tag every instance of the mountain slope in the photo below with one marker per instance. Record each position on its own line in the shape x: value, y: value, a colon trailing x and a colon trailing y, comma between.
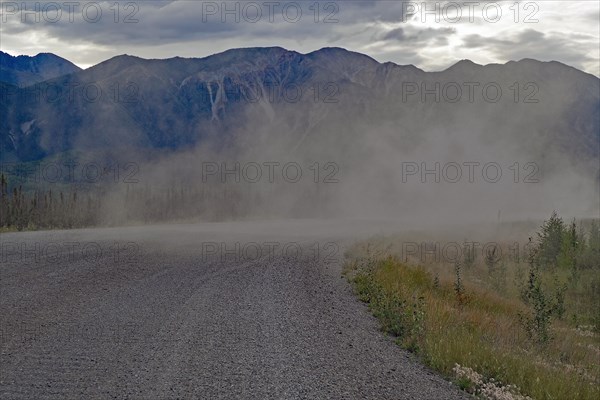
x: 23, y: 71
x: 331, y: 102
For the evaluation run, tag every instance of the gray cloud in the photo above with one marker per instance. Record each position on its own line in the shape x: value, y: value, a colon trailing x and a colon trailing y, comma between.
x: 533, y: 44
x: 380, y: 28
x: 418, y: 36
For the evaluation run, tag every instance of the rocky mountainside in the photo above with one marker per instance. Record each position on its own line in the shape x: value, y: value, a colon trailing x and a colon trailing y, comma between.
x: 329, y: 102
x: 25, y: 70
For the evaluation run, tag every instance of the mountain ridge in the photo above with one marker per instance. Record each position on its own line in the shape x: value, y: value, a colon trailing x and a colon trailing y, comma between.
x: 178, y: 103
x: 322, y: 50
x: 282, y: 50
x: 25, y: 70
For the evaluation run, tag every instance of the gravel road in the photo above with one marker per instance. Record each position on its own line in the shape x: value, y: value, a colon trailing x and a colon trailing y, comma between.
x: 232, y: 310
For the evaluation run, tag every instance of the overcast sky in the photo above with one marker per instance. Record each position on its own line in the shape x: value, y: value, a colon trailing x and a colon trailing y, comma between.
x: 403, y: 32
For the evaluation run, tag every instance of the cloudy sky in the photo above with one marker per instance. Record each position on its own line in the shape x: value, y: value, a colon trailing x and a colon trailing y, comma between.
x: 431, y: 35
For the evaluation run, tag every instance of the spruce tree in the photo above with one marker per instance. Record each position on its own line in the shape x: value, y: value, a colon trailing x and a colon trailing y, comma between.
x: 550, y: 240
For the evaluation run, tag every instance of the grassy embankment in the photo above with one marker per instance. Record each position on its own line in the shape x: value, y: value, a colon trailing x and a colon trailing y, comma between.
x: 500, y: 327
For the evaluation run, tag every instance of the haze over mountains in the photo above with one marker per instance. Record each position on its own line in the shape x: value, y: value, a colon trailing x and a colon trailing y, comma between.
x: 174, y: 103
x: 329, y: 105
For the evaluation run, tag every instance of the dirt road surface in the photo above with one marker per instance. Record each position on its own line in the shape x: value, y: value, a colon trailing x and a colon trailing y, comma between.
x: 249, y: 310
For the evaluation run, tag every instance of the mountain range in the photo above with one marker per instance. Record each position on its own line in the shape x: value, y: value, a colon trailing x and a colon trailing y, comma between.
x: 329, y: 103
x: 23, y: 71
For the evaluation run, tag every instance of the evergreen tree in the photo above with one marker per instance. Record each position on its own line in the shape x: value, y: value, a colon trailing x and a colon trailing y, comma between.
x: 569, y: 247
x: 550, y: 240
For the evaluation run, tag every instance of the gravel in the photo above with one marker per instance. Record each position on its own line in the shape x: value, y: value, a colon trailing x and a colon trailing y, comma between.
x: 167, y: 317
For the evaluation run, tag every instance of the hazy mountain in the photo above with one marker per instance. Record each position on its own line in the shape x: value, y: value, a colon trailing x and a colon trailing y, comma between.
x: 330, y: 102
x: 25, y: 70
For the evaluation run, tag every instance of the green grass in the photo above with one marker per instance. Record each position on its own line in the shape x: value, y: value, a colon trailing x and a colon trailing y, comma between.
x: 480, y: 329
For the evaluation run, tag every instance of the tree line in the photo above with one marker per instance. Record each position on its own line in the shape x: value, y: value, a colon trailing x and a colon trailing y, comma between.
x: 66, y: 207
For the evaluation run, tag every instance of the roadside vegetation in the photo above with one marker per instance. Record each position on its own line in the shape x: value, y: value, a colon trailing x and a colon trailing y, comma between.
x: 503, y: 322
